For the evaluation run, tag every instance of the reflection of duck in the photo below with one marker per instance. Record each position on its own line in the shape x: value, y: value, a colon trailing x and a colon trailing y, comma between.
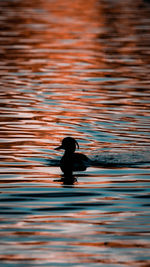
x: 72, y: 161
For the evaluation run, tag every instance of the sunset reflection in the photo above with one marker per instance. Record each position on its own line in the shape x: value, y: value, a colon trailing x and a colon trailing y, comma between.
x: 81, y: 69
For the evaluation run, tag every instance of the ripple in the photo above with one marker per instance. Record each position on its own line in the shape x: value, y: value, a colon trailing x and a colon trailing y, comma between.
x: 67, y: 70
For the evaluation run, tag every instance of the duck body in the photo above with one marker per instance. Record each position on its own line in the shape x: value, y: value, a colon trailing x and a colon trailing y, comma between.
x: 72, y: 161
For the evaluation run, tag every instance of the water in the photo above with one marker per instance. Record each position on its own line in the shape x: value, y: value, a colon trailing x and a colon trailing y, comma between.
x: 80, y: 69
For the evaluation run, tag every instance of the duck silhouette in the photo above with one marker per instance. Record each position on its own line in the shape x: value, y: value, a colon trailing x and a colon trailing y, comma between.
x: 72, y: 161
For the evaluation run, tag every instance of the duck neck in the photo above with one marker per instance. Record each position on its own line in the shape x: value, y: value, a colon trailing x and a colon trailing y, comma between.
x: 68, y: 152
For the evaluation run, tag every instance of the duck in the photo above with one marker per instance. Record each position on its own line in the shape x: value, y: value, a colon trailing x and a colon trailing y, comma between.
x: 71, y: 161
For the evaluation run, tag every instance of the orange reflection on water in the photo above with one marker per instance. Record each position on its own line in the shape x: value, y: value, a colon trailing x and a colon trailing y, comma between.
x: 78, y: 68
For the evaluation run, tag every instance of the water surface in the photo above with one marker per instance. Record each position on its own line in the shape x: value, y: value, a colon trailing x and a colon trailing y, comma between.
x: 77, y: 69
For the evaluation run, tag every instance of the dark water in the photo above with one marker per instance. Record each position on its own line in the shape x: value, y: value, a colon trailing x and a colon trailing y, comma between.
x: 82, y: 69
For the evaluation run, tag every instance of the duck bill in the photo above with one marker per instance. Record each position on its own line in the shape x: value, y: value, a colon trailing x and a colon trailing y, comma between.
x: 59, y: 147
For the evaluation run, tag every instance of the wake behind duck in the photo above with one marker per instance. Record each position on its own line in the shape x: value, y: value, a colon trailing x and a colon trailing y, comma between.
x: 72, y: 161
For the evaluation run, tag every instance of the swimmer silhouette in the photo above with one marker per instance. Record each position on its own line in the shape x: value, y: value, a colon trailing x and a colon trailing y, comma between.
x: 72, y: 161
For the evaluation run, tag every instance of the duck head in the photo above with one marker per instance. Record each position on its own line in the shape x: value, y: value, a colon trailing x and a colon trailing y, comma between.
x: 69, y: 144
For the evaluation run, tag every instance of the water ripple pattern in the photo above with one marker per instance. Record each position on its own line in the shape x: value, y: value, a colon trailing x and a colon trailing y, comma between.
x: 81, y: 69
